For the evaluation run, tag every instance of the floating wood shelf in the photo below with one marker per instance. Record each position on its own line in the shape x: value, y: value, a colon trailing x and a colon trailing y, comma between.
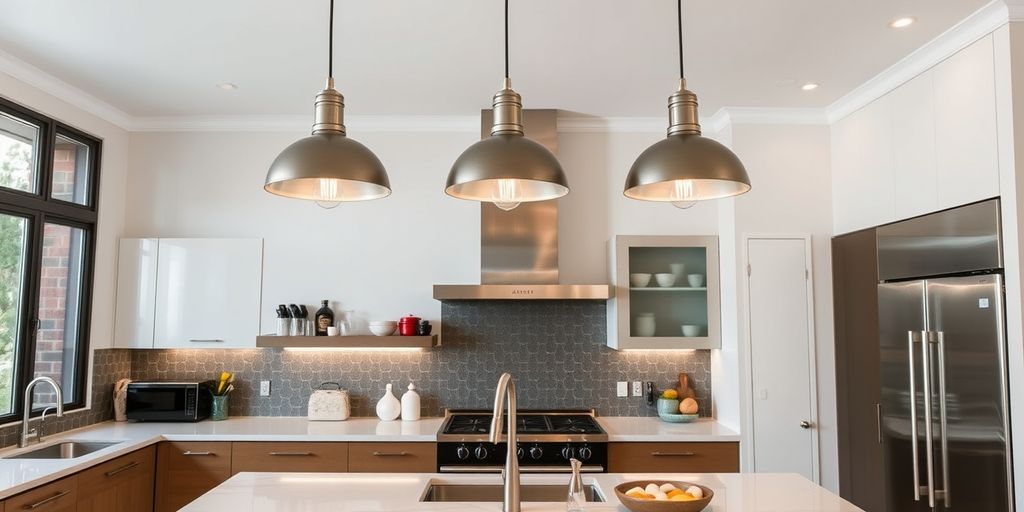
x: 361, y: 342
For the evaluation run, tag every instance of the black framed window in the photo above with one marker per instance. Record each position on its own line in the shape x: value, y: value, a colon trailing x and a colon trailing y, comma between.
x: 49, y: 177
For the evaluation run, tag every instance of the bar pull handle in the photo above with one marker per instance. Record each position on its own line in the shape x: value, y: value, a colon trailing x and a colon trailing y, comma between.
x: 42, y: 502
x: 673, y: 454
x: 190, y: 453
x: 943, y: 439
x: 121, y: 469
x: 212, y: 340
x: 929, y: 441
x: 390, y: 454
x: 913, y: 337
x: 878, y: 421
x: 291, y: 454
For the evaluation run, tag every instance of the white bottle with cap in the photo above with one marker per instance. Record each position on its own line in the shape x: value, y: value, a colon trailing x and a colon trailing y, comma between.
x: 411, y: 404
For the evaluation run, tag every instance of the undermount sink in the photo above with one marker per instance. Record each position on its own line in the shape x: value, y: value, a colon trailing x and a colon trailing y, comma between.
x: 494, y: 493
x: 65, y: 450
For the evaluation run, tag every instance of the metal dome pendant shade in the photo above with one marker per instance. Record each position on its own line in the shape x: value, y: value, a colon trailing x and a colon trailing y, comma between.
x: 507, y: 168
x: 685, y: 167
x: 328, y: 167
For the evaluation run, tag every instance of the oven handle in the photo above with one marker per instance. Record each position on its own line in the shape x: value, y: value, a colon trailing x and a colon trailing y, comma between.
x: 522, y: 469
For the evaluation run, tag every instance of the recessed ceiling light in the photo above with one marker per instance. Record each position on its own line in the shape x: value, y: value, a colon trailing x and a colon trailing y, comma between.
x: 809, y: 86
x: 902, y: 22
x: 227, y: 86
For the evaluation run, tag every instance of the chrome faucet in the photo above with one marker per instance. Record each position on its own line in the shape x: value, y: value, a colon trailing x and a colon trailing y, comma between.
x: 26, y: 434
x: 510, y: 475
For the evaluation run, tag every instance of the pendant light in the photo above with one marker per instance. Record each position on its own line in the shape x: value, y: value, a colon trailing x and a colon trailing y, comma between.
x: 507, y: 168
x: 328, y: 167
x: 685, y: 167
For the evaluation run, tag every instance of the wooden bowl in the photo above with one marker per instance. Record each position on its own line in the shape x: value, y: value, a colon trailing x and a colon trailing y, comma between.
x: 636, y: 505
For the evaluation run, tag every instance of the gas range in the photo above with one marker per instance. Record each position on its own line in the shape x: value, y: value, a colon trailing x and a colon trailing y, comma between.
x: 546, y: 441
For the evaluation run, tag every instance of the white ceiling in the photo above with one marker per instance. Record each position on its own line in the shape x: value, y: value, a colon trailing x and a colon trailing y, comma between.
x: 443, y: 57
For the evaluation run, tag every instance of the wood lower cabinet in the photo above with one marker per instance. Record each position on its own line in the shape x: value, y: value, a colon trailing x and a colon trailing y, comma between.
x: 124, y: 484
x: 59, y: 496
x: 289, y: 456
x: 392, y: 457
x: 715, y: 457
x: 187, y: 470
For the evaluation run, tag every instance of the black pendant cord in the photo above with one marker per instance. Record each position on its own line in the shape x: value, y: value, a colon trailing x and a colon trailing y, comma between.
x: 679, y: 13
x: 330, y: 43
x: 506, y: 38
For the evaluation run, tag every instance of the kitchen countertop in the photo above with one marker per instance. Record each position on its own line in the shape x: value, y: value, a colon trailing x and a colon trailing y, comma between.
x: 341, y: 492
x: 17, y: 475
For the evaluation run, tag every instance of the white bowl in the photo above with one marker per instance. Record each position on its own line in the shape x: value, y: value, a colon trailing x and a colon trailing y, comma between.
x: 691, y: 331
x: 695, y: 280
x: 639, y: 280
x: 665, y: 280
x: 383, y: 328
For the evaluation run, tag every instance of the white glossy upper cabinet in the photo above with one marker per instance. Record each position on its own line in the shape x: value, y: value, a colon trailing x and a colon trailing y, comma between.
x: 136, y: 292
x: 967, y: 162
x: 913, y: 137
x: 863, y: 190
x: 208, y: 293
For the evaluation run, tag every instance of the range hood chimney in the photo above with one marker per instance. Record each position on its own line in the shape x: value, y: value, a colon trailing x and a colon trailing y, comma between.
x: 519, y: 247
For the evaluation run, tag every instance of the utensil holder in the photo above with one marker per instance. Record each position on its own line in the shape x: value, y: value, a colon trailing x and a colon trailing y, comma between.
x: 219, y: 408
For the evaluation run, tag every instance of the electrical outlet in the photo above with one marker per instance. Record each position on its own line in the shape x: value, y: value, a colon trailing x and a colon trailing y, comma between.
x: 622, y: 389
x: 638, y: 388
x: 264, y: 388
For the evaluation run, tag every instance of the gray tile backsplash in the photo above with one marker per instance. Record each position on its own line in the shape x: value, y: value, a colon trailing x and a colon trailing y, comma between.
x: 555, y: 349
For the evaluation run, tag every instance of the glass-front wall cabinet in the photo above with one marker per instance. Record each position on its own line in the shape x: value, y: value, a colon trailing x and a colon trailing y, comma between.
x: 666, y: 293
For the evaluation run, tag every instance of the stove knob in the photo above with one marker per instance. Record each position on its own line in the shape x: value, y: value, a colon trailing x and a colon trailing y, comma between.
x: 462, y: 452
x: 536, y: 452
x: 568, y: 452
x: 480, y: 452
x: 584, y: 453
x: 520, y: 452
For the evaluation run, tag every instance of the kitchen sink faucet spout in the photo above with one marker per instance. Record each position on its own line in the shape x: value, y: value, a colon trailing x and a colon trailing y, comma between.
x: 26, y: 434
x: 507, y: 390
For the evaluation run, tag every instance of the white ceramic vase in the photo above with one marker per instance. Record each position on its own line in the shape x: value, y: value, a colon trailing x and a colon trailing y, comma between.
x: 411, y: 404
x: 388, y: 407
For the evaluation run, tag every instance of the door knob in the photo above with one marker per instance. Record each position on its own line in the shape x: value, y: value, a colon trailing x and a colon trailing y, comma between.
x: 805, y: 424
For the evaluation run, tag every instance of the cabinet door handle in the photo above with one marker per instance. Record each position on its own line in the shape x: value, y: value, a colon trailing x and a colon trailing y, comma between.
x: 122, y: 469
x: 197, y: 454
x: 291, y: 454
x: 390, y: 454
x: 40, y: 503
x: 673, y: 454
x: 212, y: 340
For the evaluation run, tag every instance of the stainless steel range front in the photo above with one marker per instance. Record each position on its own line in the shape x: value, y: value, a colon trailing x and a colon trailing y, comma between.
x: 546, y: 442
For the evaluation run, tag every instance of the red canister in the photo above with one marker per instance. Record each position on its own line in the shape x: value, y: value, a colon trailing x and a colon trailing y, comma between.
x: 407, y: 325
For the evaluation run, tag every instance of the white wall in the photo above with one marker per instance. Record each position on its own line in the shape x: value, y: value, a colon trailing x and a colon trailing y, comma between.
x: 113, y: 171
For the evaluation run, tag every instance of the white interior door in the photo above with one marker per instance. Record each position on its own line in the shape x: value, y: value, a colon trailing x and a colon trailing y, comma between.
x: 783, y: 398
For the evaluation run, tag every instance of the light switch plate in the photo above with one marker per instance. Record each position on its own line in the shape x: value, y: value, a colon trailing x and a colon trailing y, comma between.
x: 622, y: 389
x: 638, y: 388
x: 264, y: 388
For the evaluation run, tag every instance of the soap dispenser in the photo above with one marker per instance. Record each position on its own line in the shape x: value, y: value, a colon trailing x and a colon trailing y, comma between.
x: 411, y: 404
x: 388, y: 407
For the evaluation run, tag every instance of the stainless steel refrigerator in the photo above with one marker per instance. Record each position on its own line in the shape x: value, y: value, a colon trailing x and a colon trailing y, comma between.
x: 944, y: 417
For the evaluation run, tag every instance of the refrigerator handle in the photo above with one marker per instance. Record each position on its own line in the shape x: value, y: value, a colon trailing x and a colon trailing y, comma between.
x: 913, y: 337
x: 943, y: 493
x: 929, y: 448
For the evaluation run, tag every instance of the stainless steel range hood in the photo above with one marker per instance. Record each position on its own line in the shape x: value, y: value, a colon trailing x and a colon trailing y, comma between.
x: 519, y: 248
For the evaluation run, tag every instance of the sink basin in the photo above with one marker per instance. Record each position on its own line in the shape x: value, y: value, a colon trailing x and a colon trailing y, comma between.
x: 65, y: 450
x: 527, y: 493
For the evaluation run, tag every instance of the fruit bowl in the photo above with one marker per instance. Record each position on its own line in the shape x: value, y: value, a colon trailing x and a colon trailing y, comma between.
x: 677, y: 418
x: 642, y: 505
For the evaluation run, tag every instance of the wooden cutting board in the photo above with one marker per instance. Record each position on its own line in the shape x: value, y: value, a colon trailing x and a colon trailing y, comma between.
x: 684, y: 389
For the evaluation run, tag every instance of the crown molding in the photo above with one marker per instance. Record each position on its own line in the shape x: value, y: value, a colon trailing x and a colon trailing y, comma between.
x: 303, y: 123
x: 976, y: 26
x: 45, y: 82
x: 575, y: 123
x: 727, y: 116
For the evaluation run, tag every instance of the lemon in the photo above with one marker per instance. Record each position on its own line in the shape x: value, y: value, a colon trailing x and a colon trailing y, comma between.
x: 670, y: 394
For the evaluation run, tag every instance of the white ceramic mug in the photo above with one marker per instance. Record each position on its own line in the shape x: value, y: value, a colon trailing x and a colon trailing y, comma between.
x: 332, y: 330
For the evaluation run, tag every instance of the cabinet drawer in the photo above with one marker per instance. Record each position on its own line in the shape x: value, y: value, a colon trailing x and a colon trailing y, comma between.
x: 673, y: 458
x: 296, y: 456
x: 124, y: 484
x: 59, y: 496
x: 392, y: 457
x: 186, y: 470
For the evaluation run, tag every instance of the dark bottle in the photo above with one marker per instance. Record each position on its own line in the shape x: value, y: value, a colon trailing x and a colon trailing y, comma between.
x: 324, y: 319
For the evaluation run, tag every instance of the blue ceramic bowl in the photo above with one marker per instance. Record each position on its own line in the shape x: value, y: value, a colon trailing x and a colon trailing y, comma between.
x: 668, y: 406
x: 677, y: 418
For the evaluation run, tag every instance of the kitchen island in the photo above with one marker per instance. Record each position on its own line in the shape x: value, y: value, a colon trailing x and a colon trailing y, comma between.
x: 350, y: 492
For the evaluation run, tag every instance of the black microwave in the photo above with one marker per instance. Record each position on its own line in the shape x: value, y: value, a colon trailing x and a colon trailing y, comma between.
x: 168, y: 401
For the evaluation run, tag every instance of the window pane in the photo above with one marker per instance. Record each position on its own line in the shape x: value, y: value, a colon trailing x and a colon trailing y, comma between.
x: 13, y: 234
x: 70, y: 171
x: 19, y: 141
x: 59, y: 310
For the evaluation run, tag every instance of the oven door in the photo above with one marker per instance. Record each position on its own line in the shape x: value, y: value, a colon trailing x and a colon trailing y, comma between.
x: 165, y: 402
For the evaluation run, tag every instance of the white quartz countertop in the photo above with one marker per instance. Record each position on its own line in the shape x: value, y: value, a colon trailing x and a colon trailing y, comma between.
x: 17, y: 475
x: 351, y: 492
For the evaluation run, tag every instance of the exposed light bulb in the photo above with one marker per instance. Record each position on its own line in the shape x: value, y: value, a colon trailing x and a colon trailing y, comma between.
x: 508, y: 195
x: 328, y: 193
x: 683, y: 205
